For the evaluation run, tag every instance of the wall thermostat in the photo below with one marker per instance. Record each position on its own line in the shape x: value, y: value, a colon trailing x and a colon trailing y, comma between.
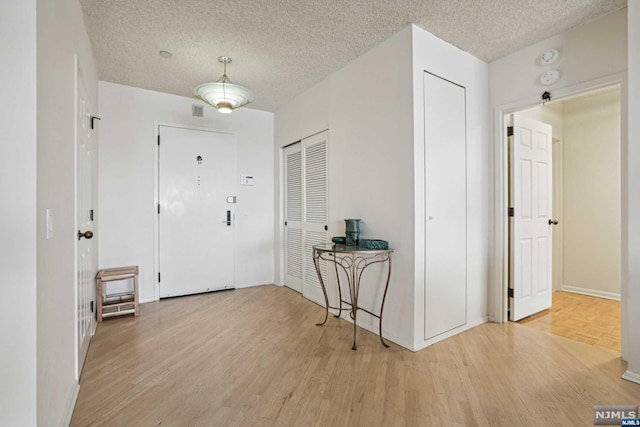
x: 246, y: 180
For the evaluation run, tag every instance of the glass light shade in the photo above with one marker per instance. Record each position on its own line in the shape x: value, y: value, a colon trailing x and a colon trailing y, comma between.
x: 224, y: 96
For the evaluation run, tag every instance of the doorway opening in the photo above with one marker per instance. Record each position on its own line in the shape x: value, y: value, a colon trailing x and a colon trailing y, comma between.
x: 581, y: 217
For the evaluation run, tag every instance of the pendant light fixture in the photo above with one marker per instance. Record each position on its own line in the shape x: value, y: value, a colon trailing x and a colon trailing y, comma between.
x: 224, y: 95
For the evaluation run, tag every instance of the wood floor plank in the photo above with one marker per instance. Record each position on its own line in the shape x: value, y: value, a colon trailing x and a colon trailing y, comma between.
x: 595, y: 321
x: 254, y: 357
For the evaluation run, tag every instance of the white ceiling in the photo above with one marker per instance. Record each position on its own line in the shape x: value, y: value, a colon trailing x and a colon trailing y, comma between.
x: 280, y: 48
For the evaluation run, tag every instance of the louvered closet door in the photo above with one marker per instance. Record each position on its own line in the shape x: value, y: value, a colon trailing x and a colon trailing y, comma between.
x: 293, y: 250
x: 315, y: 210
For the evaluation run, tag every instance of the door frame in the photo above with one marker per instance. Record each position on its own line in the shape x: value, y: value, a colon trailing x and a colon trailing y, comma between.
x: 557, y: 258
x: 498, y: 302
x: 156, y: 201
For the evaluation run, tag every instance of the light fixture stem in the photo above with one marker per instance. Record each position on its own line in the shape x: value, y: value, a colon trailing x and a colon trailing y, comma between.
x: 224, y: 77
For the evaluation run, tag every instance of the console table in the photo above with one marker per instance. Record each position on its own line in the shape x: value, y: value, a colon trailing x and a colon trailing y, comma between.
x: 353, y: 260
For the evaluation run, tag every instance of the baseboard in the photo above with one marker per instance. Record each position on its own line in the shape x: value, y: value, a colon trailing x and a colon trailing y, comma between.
x: 470, y: 325
x: 252, y: 285
x: 591, y: 292
x: 146, y: 300
x: 631, y: 376
x: 71, y: 404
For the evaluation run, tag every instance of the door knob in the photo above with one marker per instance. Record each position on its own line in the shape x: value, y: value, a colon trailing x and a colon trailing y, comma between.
x: 87, y: 234
x: 553, y: 222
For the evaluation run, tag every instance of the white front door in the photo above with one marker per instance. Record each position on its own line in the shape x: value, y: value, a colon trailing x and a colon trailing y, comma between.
x: 197, y: 189
x: 530, y: 227
x: 293, y: 253
x: 85, y: 249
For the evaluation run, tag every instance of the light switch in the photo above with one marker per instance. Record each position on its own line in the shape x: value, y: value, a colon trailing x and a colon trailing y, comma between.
x: 49, y: 223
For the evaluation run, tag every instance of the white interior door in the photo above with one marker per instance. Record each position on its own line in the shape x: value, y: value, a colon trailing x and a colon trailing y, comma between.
x: 197, y: 175
x: 293, y: 251
x: 85, y: 249
x: 531, y: 194
x: 315, y: 210
x: 446, y: 206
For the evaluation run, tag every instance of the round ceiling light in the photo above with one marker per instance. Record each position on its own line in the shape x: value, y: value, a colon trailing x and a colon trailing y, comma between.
x: 224, y: 95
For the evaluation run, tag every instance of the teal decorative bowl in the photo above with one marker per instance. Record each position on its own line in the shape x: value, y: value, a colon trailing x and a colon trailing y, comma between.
x: 373, y: 244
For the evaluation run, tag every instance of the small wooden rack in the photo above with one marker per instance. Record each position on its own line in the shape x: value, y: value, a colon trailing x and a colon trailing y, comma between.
x: 121, y: 303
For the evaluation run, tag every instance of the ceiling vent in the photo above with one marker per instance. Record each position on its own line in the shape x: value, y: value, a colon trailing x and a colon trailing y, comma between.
x: 197, y: 110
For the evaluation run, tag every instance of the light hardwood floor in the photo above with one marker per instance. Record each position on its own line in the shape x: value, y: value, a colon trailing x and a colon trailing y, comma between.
x: 254, y: 357
x: 583, y: 318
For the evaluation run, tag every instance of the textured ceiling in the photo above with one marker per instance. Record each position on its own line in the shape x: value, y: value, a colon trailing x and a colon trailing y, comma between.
x: 280, y: 48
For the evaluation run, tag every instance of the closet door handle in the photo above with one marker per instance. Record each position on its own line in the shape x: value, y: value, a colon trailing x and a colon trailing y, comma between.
x: 553, y: 222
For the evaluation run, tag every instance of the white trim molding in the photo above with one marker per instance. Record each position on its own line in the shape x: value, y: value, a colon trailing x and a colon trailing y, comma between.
x: 591, y: 292
x: 451, y: 333
x: 71, y: 404
x: 631, y: 376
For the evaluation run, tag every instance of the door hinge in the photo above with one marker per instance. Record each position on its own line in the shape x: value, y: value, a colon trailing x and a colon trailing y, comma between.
x: 92, y: 306
x: 510, y: 212
x: 158, y: 207
x: 285, y: 223
x: 509, y: 131
x: 158, y: 139
x: 510, y: 293
x: 91, y: 214
x: 158, y: 277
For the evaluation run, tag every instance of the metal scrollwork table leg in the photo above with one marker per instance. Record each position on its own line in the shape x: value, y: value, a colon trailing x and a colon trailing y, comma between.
x: 353, y: 264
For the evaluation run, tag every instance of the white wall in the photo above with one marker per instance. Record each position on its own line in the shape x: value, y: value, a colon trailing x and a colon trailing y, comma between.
x: 587, y: 52
x: 631, y: 263
x: 591, y: 195
x: 18, y: 213
x: 61, y: 35
x: 376, y: 164
x: 370, y: 163
x: 592, y: 55
x: 442, y: 59
x: 127, y: 143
